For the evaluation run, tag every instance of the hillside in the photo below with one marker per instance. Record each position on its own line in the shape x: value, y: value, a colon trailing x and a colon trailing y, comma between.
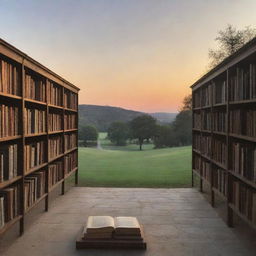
x: 102, y: 116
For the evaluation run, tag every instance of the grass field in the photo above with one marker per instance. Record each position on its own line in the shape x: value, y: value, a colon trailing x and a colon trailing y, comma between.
x: 128, y: 167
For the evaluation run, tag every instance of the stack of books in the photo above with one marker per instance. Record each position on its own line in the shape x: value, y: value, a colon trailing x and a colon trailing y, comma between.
x: 109, y: 232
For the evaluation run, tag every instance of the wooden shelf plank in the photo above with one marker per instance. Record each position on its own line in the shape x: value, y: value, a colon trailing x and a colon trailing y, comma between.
x: 56, y: 185
x: 70, y: 173
x: 71, y: 130
x: 10, y: 96
x: 71, y: 110
x: 55, y: 106
x: 4, y: 139
x: 242, y: 216
x: 36, y: 168
x: 27, y: 100
x: 55, y: 158
x: 55, y: 132
x: 220, y: 194
x: 243, y: 179
x: 35, y: 203
x: 70, y: 150
x: 243, y: 137
x: 35, y: 134
x: 9, y: 182
x: 9, y: 224
x: 242, y: 102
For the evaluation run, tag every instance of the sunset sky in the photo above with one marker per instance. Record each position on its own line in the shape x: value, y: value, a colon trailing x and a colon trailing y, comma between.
x: 136, y: 54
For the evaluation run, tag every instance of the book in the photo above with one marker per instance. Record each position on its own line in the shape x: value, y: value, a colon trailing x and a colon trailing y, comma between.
x: 55, y: 121
x: 70, y: 141
x: 54, y: 93
x: 70, y: 99
x: 106, y: 227
x: 1, y: 211
x: 55, y: 146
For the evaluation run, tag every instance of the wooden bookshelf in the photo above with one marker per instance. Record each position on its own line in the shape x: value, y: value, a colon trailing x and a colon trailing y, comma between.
x: 224, y: 100
x: 30, y: 94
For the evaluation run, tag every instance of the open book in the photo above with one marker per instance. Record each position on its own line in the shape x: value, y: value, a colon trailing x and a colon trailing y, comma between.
x: 100, y: 227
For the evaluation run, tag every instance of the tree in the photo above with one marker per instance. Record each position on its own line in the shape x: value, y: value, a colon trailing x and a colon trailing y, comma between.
x: 230, y: 40
x: 88, y: 133
x: 118, y: 133
x: 187, y: 103
x: 143, y: 127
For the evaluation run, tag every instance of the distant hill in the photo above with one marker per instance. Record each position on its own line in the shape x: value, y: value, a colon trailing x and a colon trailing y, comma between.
x: 102, y: 116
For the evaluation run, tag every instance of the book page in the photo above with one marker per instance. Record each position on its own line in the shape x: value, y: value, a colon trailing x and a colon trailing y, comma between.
x: 127, y: 222
x: 97, y: 222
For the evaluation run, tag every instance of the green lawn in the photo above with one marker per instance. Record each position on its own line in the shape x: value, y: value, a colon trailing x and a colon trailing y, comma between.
x: 128, y: 167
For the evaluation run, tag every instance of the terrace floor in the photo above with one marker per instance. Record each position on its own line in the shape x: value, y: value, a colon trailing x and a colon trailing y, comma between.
x: 176, y: 222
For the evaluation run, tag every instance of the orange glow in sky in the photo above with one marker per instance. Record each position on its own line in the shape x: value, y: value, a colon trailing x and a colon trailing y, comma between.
x: 140, y: 55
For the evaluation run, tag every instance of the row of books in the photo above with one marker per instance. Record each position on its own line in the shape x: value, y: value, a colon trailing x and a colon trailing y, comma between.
x: 70, y: 141
x: 206, y: 120
x: 219, y: 151
x: 197, y: 99
x: 242, y: 83
x: 55, y: 173
x: 35, y: 154
x: 220, y: 179
x: 55, y: 94
x: 34, y: 188
x: 197, y: 141
x: 197, y: 120
x: 10, y: 81
x: 70, y: 121
x: 206, y: 96
x: 55, y: 146
x: 8, y: 162
x: 55, y: 121
x: 219, y: 92
x: 219, y: 121
x: 206, y: 169
x: 243, y: 160
x: 218, y: 176
x: 70, y: 162
x: 35, y: 121
x: 197, y: 163
x: 242, y: 122
x: 70, y: 100
x: 206, y: 145
x: 244, y: 199
x: 35, y: 87
x: 9, y: 120
x: 9, y: 204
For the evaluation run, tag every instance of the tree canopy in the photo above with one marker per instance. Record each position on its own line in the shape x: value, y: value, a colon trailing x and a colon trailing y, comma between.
x: 88, y: 133
x: 118, y: 133
x: 143, y: 127
x: 229, y: 41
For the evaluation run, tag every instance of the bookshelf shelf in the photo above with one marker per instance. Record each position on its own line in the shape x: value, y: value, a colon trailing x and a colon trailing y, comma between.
x: 232, y: 85
x: 242, y: 216
x: 243, y: 137
x: 243, y: 179
x: 55, y: 106
x: 10, y: 96
x: 56, y: 185
x: 35, y: 135
x: 55, y: 132
x: 36, y: 203
x: 10, y: 138
x: 9, y: 224
x: 35, y: 102
x: 220, y: 194
x: 35, y: 98
x: 8, y: 182
x: 36, y: 168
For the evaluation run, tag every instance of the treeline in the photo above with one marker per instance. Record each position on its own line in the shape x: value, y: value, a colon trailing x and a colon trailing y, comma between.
x: 145, y: 128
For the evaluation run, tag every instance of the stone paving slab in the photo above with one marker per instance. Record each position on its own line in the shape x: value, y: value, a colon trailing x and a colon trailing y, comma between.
x: 176, y: 222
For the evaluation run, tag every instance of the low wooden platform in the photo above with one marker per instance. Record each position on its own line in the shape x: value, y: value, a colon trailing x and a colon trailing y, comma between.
x: 108, y: 243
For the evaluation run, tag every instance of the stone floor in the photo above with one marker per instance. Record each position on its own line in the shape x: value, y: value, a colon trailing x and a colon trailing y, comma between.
x: 176, y: 222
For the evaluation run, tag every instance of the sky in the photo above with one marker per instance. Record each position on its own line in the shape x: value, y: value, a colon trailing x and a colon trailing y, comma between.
x: 136, y: 54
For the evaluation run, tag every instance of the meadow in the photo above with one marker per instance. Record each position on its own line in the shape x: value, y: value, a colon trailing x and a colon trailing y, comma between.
x: 126, y: 166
